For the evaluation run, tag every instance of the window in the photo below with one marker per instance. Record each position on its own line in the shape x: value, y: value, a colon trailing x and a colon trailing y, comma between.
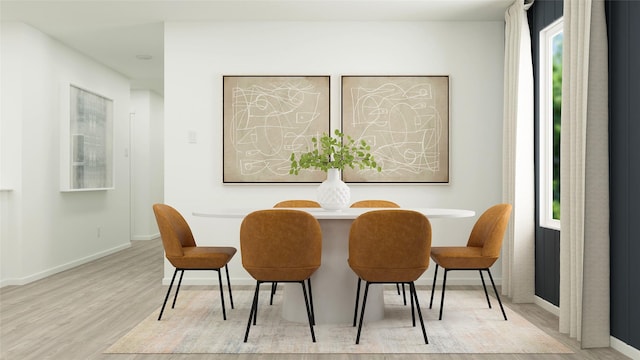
x: 550, y: 109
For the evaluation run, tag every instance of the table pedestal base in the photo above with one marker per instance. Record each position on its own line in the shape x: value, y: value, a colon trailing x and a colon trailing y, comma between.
x: 333, y: 284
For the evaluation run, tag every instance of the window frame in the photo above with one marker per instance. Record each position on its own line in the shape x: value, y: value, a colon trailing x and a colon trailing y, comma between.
x: 545, y: 207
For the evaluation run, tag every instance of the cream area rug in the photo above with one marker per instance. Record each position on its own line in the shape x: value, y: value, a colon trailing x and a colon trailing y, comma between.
x: 468, y: 326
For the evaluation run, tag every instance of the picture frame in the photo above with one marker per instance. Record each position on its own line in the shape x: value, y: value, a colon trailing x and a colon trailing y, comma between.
x: 86, y: 141
x: 405, y: 120
x: 265, y: 120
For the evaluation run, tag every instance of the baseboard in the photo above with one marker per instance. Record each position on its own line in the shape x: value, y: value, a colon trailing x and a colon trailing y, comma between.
x: 473, y: 281
x: 146, y: 237
x: 546, y: 305
x: 63, y: 267
x: 213, y: 280
x: 625, y: 349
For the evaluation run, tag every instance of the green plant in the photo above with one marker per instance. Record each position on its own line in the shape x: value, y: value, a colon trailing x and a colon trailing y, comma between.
x: 334, y: 152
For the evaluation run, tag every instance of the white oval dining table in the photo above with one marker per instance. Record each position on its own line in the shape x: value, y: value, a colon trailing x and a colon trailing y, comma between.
x: 334, y: 283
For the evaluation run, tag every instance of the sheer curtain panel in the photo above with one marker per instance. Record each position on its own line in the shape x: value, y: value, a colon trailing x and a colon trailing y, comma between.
x: 584, y: 176
x: 518, y: 265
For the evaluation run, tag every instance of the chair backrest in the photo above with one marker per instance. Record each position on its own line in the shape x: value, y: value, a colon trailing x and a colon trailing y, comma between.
x: 174, y: 230
x: 390, y: 245
x: 280, y: 244
x: 297, y: 203
x: 488, y: 231
x: 374, y: 204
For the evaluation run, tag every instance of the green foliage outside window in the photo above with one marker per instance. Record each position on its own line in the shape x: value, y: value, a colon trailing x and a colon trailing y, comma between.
x: 557, y: 110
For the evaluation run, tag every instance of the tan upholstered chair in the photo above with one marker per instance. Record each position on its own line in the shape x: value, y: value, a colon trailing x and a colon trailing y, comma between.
x: 374, y: 204
x: 482, y: 251
x: 293, y: 204
x: 381, y: 204
x: 184, y: 254
x: 280, y: 245
x: 297, y: 204
x: 389, y: 247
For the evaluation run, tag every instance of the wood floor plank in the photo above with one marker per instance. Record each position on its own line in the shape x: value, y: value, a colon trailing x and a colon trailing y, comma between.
x: 79, y: 313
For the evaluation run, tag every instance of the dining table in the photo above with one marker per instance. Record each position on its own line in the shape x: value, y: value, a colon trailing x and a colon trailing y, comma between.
x: 334, y: 283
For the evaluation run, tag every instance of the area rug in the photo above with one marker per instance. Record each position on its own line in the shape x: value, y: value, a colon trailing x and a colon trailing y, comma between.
x: 468, y: 326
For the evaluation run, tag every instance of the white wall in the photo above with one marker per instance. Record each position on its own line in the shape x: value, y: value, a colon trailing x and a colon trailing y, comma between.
x: 10, y: 151
x: 147, y: 173
x: 44, y: 230
x: 197, y: 55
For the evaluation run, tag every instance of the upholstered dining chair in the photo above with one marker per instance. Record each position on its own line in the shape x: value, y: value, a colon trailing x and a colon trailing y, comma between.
x: 375, y: 203
x: 482, y: 251
x: 280, y: 245
x: 389, y: 247
x: 184, y: 254
x: 294, y: 203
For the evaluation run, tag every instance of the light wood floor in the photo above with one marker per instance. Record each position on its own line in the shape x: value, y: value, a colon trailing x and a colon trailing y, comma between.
x: 79, y: 313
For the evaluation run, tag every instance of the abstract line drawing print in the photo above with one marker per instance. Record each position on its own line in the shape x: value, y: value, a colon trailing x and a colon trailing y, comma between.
x: 268, y: 118
x: 405, y: 120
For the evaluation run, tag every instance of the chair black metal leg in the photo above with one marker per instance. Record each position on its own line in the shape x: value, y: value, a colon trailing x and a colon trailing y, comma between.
x: 224, y: 311
x: 364, y: 304
x: 255, y: 313
x: 175, y: 297
x: 444, y: 283
x: 254, y: 307
x: 167, y: 296
x: 306, y: 302
x: 404, y: 296
x: 313, y: 314
x: 433, y: 287
x: 415, y: 295
x: 497, y: 296
x: 274, y: 285
x: 486, y: 294
x: 226, y: 267
x: 398, y: 288
x: 355, y: 313
x: 413, y: 314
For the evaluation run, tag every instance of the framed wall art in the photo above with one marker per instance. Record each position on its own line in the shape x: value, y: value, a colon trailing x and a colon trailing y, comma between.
x: 265, y: 120
x: 87, y: 141
x: 405, y: 119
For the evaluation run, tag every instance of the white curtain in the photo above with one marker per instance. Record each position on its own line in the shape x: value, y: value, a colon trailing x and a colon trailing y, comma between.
x: 584, y: 176
x: 518, y: 265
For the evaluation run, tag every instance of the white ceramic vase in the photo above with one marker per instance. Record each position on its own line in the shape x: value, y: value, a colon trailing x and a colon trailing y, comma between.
x: 333, y: 193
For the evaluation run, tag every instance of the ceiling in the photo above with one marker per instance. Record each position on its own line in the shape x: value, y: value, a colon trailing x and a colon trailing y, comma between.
x: 116, y: 32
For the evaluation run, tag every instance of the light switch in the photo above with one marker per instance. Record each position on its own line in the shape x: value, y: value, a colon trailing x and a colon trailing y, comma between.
x: 192, y: 136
